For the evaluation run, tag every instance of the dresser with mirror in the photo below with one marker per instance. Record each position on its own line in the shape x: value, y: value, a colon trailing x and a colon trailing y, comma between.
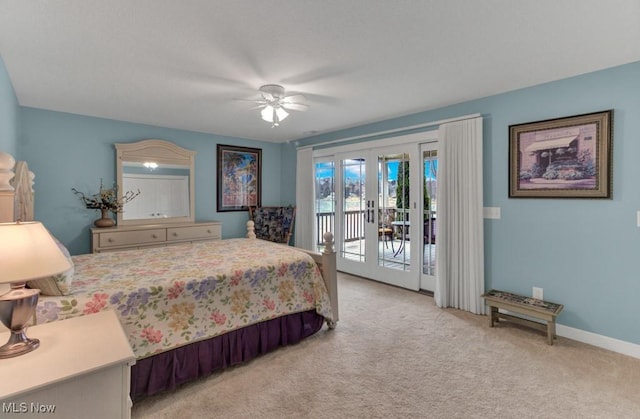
x: 164, y: 211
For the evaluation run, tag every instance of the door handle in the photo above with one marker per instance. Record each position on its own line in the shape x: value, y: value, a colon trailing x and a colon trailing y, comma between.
x: 368, y: 212
x: 372, y: 215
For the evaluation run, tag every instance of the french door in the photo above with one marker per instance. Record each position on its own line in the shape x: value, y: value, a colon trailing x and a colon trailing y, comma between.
x: 380, y: 202
x: 377, y: 196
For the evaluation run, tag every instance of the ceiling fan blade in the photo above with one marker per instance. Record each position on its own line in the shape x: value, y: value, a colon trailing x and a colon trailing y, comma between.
x: 267, y: 96
x: 249, y: 100
x: 317, y: 74
x: 295, y: 106
x: 295, y: 98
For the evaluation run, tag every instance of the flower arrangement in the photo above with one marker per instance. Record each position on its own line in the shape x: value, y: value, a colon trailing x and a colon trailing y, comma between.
x: 106, y: 199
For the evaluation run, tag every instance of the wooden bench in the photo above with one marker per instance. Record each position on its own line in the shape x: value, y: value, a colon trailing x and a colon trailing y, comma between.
x: 527, y: 306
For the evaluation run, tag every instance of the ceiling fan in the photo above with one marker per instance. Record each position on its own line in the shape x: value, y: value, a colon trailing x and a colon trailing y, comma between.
x: 275, y: 104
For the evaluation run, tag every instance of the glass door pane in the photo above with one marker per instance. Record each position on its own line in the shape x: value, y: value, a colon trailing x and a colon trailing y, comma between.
x: 393, y: 211
x: 325, y: 200
x: 429, y: 219
x: 354, y: 209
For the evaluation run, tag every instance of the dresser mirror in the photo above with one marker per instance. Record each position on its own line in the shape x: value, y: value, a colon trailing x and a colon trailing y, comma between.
x: 164, y: 174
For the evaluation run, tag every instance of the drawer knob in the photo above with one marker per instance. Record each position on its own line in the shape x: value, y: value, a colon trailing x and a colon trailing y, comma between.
x: 110, y: 240
x: 175, y: 234
x: 209, y: 231
x: 154, y: 236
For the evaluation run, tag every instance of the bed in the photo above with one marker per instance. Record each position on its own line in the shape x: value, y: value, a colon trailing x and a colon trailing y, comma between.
x: 191, y: 309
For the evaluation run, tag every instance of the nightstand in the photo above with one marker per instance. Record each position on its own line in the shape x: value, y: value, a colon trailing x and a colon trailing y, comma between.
x: 81, y: 370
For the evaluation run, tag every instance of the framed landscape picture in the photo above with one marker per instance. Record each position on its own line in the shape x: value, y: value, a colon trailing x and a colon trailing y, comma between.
x: 567, y: 157
x: 239, y: 178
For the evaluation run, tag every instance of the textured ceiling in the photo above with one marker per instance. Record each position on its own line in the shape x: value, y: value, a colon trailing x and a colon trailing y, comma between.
x: 185, y: 64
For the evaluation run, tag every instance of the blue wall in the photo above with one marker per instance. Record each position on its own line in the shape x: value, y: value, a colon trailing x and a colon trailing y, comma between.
x: 584, y: 253
x: 9, y: 114
x: 71, y: 151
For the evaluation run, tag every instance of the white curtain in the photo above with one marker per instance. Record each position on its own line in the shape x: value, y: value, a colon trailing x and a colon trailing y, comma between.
x: 304, y: 227
x: 460, y: 245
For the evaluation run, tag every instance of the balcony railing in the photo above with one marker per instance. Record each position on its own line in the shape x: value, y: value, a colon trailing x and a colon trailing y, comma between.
x: 354, y: 225
x: 325, y: 221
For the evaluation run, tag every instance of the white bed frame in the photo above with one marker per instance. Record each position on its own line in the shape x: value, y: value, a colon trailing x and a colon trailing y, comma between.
x: 16, y: 203
x: 326, y: 261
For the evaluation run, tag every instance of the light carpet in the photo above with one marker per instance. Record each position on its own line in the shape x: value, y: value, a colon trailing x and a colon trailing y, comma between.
x: 394, y: 354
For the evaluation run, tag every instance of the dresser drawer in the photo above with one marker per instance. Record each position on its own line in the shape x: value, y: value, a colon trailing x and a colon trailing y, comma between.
x: 128, y: 238
x: 196, y: 232
x: 136, y: 237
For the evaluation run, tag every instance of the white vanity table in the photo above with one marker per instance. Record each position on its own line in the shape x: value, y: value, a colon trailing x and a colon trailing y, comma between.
x: 161, y: 214
x: 81, y: 370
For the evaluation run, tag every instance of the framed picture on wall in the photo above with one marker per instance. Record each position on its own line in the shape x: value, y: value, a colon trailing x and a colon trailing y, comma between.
x: 567, y: 157
x: 239, y: 183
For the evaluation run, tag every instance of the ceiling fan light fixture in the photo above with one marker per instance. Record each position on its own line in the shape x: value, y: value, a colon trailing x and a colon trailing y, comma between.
x: 275, y: 104
x: 273, y: 114
x: 272, y: 91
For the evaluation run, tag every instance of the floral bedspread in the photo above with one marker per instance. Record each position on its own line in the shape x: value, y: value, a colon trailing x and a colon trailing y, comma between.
x: 169, y: 296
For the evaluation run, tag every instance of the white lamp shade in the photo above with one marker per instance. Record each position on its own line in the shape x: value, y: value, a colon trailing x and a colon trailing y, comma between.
x: 282, y: 114
x: 267, y: 113
x: 27, y: 251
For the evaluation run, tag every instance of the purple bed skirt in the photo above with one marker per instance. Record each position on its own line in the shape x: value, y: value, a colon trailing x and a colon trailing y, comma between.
x: 167, y: 370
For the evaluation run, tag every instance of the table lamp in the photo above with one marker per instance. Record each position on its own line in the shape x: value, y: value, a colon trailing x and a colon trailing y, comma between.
x: 27, y: 251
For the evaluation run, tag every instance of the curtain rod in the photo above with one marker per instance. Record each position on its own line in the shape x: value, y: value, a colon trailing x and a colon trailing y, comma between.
x: 391, y: 131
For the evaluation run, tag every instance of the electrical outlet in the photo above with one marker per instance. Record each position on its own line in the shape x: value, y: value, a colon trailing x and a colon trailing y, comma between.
x: 537, y: 293
x: 493, y: 213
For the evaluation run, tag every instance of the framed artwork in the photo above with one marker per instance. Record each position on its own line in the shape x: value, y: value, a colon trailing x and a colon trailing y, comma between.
x: 239, y: 178
x: 567, y: 157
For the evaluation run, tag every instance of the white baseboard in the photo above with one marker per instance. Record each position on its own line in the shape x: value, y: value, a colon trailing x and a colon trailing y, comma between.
x: 600, y: 341
x: 605, y: 342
